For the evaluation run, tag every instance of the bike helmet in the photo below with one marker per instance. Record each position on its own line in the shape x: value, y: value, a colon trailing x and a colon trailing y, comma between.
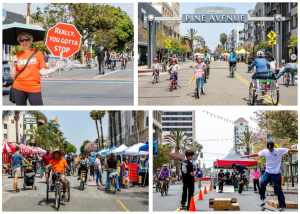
x: 173, y: 60
x: 260, y: 54
x: 155, y: 59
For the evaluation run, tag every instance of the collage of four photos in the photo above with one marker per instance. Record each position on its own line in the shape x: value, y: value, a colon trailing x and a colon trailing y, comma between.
x: 199, y: 107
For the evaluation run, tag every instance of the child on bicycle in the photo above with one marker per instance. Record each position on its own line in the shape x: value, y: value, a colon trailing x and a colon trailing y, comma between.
x: 155, y: 67
x: 126, y: 177
x: 199, y: 69
x: 173, y: 69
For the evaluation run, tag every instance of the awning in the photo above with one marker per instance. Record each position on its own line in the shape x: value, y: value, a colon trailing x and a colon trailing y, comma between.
x: 234, y: 157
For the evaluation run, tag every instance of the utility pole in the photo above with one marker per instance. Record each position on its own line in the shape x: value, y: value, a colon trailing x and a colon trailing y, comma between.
x: 28, y: 13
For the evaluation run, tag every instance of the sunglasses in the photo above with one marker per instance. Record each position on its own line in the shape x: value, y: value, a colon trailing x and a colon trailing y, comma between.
x: 26, y: 40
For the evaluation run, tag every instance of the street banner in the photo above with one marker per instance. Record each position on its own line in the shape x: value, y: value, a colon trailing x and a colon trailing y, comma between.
x: 63, y: 40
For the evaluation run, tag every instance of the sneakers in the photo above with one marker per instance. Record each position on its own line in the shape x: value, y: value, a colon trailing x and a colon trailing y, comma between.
x: 255, y: 191
x: 262, y: 202
x: 64, y: 197
x: 281, y: 210
x: 52, y: 188
x: 119, y: 190
x: 127, y: 187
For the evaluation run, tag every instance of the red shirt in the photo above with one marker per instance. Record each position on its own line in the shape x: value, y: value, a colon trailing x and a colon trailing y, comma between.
x: 89, y: 55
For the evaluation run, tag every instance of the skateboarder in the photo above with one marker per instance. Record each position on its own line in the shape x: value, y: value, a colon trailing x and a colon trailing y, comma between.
x: 273, y: 158
x: 187, y: 177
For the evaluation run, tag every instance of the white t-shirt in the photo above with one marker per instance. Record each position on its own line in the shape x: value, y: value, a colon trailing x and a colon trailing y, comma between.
x: 272, y: 65
x: 273, y: 159
x: 174, y: 68
x: 155, y: 66
x: 97, y: 161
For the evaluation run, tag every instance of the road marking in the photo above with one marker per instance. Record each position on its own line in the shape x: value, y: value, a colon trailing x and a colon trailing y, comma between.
x: 122, y: 205
x: 191, y: 80
x: 107, y: 74
x: 195, y: 199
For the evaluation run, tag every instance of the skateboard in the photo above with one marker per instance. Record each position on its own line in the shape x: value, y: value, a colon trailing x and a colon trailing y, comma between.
x: 264, y: 208
x: 183, y: 207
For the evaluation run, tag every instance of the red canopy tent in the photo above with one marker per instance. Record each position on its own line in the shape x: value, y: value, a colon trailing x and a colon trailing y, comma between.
x: 7, y: 148
x: 234, y: 157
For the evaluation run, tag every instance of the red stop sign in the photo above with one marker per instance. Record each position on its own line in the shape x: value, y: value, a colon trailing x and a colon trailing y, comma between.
x: 63, y: 38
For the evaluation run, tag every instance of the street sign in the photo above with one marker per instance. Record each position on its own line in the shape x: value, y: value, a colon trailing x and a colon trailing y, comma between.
x: 168, y: 40
x: 167, y: 46
x: 63, y: 38
x: 272, y: 35
x: 30, y: 120
x: 272, y: 42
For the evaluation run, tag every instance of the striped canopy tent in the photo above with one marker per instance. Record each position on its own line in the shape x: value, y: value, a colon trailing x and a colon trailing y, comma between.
x: 7, y: 148
x: 36, y: 150
x: 23, y: 149
x: 42, y: 150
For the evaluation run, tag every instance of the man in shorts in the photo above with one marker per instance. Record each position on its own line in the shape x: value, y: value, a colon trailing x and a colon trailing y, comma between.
x: 16, y: 168
x: 45, y: 162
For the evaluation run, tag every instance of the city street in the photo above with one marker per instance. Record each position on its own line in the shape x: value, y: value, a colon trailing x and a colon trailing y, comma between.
x: 86, y: 87
x: 248, y: 200
x: 220, y: 88
x: 91, y: 199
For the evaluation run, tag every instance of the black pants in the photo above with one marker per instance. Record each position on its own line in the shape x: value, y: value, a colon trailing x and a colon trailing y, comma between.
x: 186, y: 187
x: 256, y: 184
x: 85, y: 169
x: 21, y: 97
x: 221, y: 185
x: 228, y: 181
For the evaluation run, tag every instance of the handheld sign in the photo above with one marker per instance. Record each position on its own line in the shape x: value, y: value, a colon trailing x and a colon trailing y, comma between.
x: 63, y: 38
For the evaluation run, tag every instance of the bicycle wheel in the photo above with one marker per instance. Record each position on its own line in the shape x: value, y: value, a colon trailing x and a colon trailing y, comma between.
x: 115, y: 185
x: 202, y: 89
x: 47, y: 192
x: 153, y: 79
x: 68, y: 191
x: 288, y: 80
x: 82, y: 185
x: 251, y: 94
x: 171, y: 85
x: 205, y: 72
x: 275, y: 97
x: 157, y: 188
x: 240, y: 188
x: 166, y: 189
x: 198, y: 88
x: 161, y: 191
x: 57, y: 198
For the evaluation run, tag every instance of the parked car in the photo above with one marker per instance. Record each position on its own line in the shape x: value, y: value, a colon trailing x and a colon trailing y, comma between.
x: 7, y: 80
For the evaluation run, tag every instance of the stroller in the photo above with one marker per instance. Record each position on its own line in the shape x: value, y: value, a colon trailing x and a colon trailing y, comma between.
x: 29, y: 175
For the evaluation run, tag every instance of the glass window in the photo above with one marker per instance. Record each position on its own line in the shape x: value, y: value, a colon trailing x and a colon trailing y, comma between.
x: 177, y: 118
x: 177, y: 124
x: 24, y: 126
x: 132, y: 129
x: 147, y: 121
x: 12, y: 121
x: 288, y: 26
x: 31, y: 136
x: 182, y: 129
x: 5, y: 126
x: 177, y: 113
x: 5, y: 136
x: 31, y: 126
x: 289, y: 7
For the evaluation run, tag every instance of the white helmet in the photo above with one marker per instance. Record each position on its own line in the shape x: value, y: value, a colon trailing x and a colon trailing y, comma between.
x: 231, y: 53
x: 260, y: 54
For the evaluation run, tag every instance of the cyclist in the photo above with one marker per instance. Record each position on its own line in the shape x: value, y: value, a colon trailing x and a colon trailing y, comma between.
x: 164, y: 175
x: 75, y: 160
x: 59, y: 164
x: 199, y: 69
x: 69, y: 161
x: 156, y: 175
x: 112, y: 164
x: 155, y: 67
x: 45, y: 162
x: 173, y: 69
x: 206, y: 58
x: 88, y: 58
x: 241, y: 170
x: 293, y: 68
x: 108, y: 58
x: 83, y: 165
x: 232, y: 60
x: 262, y: 66
x: 124, y: 56
x: 250, y: 59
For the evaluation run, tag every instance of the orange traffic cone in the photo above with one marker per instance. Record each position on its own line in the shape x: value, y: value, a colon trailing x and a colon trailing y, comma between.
x: 192, y: 205
x: 210, y: 189
x: 200, y: 195
x: 205, y: 192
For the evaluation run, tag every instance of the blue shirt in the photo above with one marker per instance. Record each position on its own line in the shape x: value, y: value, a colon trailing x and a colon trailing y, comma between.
x: 233, y: 58
x: 261, y: 65
x: 16, y: 160
x: 240, y: 168
x: 199, y: 174
x: 132, y: 161
x: 91, y: 160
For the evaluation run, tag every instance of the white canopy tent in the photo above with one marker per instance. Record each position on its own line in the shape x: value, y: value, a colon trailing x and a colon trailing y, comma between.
x: 133, y: 150
x: 119, y: 149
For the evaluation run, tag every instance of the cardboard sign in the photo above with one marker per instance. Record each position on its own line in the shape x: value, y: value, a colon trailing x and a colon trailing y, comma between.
x: 63, y: 38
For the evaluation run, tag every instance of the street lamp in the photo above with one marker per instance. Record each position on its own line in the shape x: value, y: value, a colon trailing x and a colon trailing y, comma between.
x: 151, y: 18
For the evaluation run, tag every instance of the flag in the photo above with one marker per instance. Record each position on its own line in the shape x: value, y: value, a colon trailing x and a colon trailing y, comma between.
x: 56, y: 119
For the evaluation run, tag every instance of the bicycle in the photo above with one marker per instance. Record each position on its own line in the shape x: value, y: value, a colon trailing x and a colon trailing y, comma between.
x: 206, y: 70
x: 88, y: 64
x: 200, y: 86
x: 123, y: 64
x: 155, y: 77
x: 164, y: 188
x: 73, y: 169
x: 287, y: 78
x: 67, y: 66
x: 112, y: 186
x: 173, y: 82
x: 233, y: 69
x: 82, y: 179
x: 113, y: 64
x: 158, y: 189
x: 58, y: 189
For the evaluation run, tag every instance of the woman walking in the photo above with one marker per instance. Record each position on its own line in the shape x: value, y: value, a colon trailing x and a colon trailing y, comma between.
x: 27, y: 69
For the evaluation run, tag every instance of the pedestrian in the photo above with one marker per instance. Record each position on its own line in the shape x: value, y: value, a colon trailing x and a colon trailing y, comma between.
x: 113, y: 56
x: 108, y: 58
x: 199, y: 175
x: 187, y: 177
x: 27, y: 74
x: 132, y: 160
x: 16, y: 168
x: 221, y: 177
x: 255, y: 173
x: 293, y: 68
x: 111, y: 165
x: 100, y: 58
x: 92, y: 170
x: 227, y: 175
x: 98, y: 170
x: 75, y: 161
x: 105, y: 58
x: 273, y: 157
x: 126, y: 173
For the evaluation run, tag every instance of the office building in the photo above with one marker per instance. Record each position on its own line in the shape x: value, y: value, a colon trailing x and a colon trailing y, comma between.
x: 240, y: 126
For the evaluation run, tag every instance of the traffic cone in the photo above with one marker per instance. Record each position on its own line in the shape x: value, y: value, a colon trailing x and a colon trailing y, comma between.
x: 205, y: 192
x: 200, y: 197
x: 192, y: 205
x: 210, y: 189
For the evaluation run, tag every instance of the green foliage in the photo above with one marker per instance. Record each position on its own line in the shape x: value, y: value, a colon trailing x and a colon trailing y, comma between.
x: 37, y: 17
x: 223, y: 38
x: 72, y: 148
x: 40, y: 46
x: 263, y: 44
x: 293, y: 41
x: 190, y: 58
x: 248, y: 140
x: 83, y: 146
x: 162, y: 157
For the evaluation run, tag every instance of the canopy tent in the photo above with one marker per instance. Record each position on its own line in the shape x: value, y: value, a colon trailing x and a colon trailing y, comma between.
x: 242, y: 51
x: 234, y: 157
x: 7, y: 148
x: 109, y: 150
x: 119, y: 149
x: 23, y: 149
x: 36, y: 150
x: 133, y: 150
x: 144, y: 148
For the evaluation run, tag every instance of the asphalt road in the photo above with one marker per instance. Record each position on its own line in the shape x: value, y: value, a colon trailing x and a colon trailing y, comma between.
x: 91, y: 199
x: 220, y: 89
x: 248, y: 200
x: 87, y: 87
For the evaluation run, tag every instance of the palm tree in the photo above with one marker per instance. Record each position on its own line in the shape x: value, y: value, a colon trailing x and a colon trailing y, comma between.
x: 100, y: 115
x: 120, y: 128
x: 248, y: 140
x: 136, y: 127
x: 94, y: 116
x: 192, y: 33
x: 112, y: 124
x: 39, y: 136
x: 223, y: 38
x: 196, y: 146
x: 37, y: 114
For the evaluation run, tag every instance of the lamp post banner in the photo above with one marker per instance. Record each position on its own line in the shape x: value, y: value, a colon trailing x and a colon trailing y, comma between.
x: 214, y: 18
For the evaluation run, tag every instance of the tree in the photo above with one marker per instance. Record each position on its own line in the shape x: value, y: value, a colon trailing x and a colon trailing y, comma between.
x: 105, y: 37
x: 223, y: 38
x: 263, y: 44
x: 120, y: 128
x: 72, y: 148
x: 293, y: 41
x: 136, y: 127
x: 142, y: 32
x: 83, y: 146
x: 160, y: 42
x: 192, y: 33
x: 90, y: 147
x: 113, y: 123
x: 17, y: 113
x: 94, y: 116
x: 248, y: 140
x: 162, y: 158
x: 39, y: 137
x: 37, y: 17
x: 196, y: 147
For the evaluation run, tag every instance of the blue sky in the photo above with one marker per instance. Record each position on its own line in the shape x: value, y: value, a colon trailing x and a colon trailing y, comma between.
x: 21, y: 8
x: 77, y: 126
x: 212, y: 32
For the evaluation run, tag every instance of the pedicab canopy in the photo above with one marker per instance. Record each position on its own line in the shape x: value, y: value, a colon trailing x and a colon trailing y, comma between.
x: 234, y: 157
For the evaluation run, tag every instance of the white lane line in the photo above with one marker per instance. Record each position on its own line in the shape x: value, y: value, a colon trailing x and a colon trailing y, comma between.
x: 110, y: 73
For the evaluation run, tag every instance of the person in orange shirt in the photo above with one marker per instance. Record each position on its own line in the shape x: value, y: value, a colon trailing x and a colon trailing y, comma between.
x: 27, y: 85
x: 59, y: 164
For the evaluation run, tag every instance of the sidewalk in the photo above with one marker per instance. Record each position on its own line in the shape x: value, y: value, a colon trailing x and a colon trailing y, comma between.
x: 292, y: 190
